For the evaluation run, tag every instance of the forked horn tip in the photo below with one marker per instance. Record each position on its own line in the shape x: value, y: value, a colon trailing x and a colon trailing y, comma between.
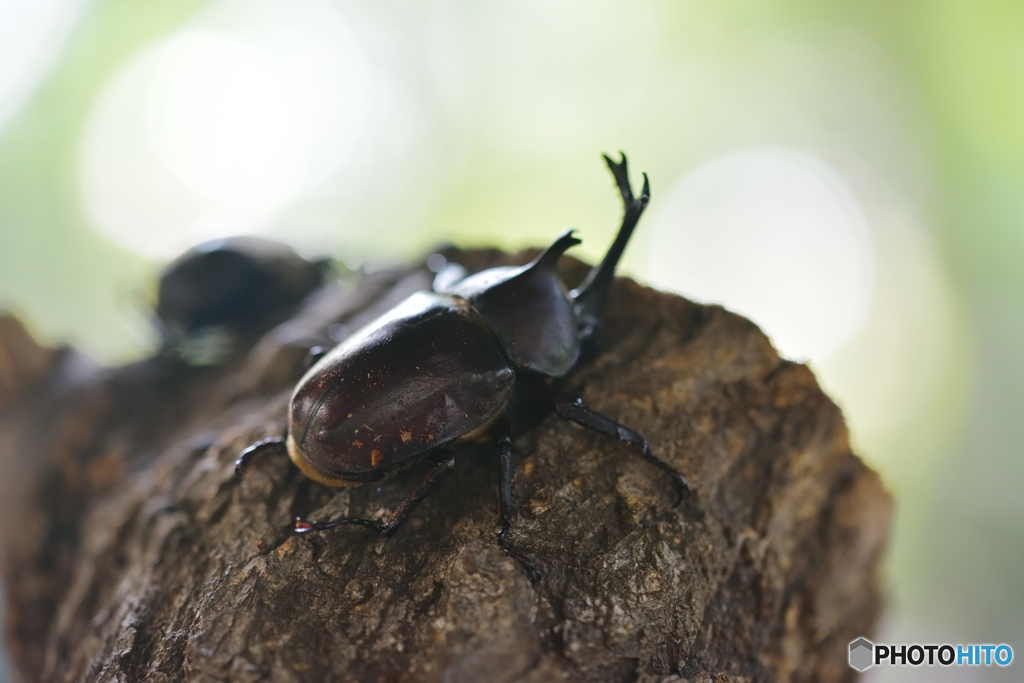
x: 612, y: 164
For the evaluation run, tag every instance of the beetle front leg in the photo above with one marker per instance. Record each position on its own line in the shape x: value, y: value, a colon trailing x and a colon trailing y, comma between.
x: 505, y: 501
x: 574, y: 410
x: 440, y: 471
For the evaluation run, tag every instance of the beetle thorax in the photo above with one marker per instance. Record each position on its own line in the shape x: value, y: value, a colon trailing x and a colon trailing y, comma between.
x: 530, y: 311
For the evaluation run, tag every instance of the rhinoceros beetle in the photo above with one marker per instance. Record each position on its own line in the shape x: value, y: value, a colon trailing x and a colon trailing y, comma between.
x: 225, y: 290
x: 448, y: 366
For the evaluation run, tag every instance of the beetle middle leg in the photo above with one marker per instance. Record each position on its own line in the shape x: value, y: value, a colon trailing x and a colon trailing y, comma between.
x: 505, y: 500
x: 441, y: 470
x: 574, y: 411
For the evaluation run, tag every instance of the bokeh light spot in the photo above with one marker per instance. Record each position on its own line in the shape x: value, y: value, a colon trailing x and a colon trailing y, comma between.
x: 774, y: 235
x: 224, y: 120
x: 31, y: 34
x: 233, y: 122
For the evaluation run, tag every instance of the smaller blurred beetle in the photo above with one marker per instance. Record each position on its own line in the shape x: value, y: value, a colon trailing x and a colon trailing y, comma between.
x: 224, y: 291
x: 451, y: 365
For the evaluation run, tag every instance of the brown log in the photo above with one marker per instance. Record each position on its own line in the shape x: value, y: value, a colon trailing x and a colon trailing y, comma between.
x: 131, y: 553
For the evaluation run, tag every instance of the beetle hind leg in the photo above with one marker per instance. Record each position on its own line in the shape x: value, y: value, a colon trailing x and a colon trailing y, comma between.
x: 441, y: 470
x: 246, y: 456
x: 574, y: 411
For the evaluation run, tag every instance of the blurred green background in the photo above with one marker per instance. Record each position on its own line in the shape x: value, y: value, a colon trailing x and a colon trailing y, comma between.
x: 848, y: 175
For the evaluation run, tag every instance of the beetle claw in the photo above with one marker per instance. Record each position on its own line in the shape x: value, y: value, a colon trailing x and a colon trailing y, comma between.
x: 522, y: 560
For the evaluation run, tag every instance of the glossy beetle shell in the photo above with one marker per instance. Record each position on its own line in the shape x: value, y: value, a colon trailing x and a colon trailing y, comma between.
x: 233, y: 283
x: 427, y: 372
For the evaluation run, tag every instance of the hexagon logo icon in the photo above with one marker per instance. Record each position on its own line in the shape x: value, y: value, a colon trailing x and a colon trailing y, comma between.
x: 861, y: 651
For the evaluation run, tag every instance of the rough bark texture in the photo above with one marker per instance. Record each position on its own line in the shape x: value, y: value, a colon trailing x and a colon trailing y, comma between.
x: 131, y: 553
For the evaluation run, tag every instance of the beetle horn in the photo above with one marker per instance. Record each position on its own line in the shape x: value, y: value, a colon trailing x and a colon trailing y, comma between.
x: 591, y: 295
x: 549, y: 257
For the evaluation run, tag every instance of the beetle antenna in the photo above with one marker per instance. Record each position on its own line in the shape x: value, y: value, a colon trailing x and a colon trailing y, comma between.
x: 591, y: 295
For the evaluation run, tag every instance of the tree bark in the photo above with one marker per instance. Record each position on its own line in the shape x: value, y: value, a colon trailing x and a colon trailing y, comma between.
x: 131, y: 553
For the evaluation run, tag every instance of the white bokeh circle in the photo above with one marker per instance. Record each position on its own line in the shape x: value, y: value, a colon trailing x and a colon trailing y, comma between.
x: 225, y: 127
x: 224, y: 119
x: 774, y: 235
x: 31, y: 35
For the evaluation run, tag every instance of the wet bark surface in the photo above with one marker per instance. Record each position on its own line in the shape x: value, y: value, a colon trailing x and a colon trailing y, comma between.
x: 131, y: 553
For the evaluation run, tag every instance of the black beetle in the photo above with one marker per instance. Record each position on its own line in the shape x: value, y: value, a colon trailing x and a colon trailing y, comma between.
x: 446, y: 366
x: 226, y: 290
